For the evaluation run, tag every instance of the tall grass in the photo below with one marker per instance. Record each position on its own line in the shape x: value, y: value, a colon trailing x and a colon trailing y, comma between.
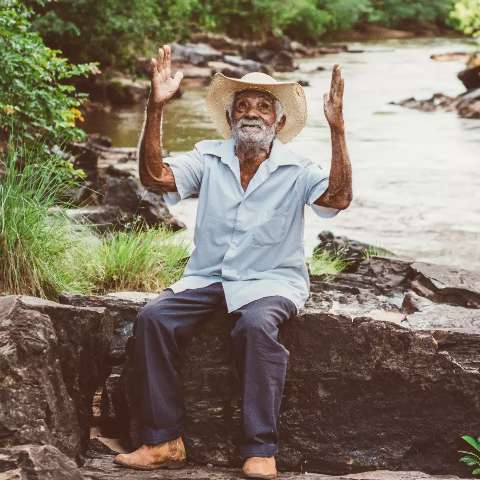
x: 324, y: 262
x: 141, y: 260
x: 43, y: 254
x: 35, y: 247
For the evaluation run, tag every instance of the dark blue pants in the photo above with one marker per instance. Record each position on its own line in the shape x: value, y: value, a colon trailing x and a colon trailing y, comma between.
x: 261, y: 359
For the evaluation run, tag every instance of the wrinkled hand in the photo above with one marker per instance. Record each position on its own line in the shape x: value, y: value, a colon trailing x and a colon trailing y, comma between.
x: 163, y: 84
x: 333, y: 101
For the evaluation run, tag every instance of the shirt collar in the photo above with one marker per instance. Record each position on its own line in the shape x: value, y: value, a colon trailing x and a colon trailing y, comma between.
x: 279, y: 154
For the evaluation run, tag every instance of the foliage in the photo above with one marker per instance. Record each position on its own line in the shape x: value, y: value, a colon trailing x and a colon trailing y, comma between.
x: 472, y: 459
x: 396, y: 12
x: 140, y: 259
x: 466, y: 16
x: 115, y: 32
x: 34, y: 100
x: 325, y: 262
x: 43, y: 254
x: 35, y: 246
x: 112, y: 32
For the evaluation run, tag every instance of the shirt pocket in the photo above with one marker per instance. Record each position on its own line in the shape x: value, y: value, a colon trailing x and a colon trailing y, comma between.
x: 271, y: 230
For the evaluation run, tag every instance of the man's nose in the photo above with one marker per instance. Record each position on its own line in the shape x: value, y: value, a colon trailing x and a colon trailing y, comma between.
x: 251, y: 115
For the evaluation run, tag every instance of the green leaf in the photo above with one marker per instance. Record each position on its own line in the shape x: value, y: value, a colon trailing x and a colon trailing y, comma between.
x: 472, y: 441
x: 468, y: 460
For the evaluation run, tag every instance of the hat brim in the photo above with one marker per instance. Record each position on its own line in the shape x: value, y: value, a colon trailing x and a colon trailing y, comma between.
x: 290, y: 94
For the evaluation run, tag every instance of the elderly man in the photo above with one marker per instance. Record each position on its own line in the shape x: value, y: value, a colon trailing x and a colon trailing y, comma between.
x: 248, y: 259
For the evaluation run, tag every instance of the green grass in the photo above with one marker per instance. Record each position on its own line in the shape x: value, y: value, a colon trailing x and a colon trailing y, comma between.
x: 142, y: 260
x: 43, y: 254
x: 375, y: 251
x: 35, y: 246
x: 324, y: 262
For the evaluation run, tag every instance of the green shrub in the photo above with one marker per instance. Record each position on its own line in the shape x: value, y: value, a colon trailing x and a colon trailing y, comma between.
x: 325, y: 262
x: 112, y: 32
x: 395, y: 12
x: 34, y: 99
x: 36, y: 247
x: 141, y: 260
x: 43, y: 254
x: 465, y: 17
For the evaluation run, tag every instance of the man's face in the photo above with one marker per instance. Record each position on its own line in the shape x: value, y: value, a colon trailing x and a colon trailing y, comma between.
x: 253, y: 119
x: 251, y: 105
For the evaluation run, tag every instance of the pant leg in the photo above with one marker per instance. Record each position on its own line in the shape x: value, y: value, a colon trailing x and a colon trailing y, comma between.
x: 161, y: 327
x: 262, y: 364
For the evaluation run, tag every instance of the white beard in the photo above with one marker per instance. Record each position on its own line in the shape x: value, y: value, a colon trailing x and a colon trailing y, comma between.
x: 255, y: 139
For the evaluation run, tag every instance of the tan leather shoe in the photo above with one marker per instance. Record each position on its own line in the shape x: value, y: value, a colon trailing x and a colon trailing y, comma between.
x: 260, y: 467
x: 168, y: 455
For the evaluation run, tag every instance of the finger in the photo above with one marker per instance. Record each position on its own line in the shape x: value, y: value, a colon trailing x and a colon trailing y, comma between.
x: 341, y: 88
x: 336, y: 80
x: 168, y: 60
x: 165, y: 56
x: 178, y: 77
x: 153, y: 67
x: 333, y: 86
x: 160, y: 56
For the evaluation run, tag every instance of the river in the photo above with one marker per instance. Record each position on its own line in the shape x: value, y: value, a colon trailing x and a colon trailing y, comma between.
x: 416, y: 175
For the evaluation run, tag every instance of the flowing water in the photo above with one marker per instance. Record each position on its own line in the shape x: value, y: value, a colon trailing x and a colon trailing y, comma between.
x: 416, y: 175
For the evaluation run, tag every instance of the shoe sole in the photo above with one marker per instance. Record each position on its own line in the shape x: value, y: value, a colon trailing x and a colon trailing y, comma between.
x: 169, y: 465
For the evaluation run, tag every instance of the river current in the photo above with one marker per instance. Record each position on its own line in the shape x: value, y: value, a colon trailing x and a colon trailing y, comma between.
x: 416, y: 175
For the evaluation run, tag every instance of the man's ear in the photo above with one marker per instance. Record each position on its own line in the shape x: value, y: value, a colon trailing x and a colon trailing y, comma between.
x: 228, y: 119
x: 280, y: 124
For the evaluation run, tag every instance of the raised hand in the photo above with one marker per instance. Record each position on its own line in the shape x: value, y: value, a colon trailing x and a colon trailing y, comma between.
x: 333, y: 101
x: 163, y: 84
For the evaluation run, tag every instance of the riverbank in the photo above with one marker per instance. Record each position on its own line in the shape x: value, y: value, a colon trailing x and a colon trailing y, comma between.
x: 389, y: 335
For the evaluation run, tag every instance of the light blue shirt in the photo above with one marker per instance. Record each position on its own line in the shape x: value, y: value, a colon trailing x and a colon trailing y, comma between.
x: 252, y: 241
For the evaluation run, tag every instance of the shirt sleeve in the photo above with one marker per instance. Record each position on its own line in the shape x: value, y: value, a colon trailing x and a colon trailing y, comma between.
x: 315, y: 185
x: 187, y: 170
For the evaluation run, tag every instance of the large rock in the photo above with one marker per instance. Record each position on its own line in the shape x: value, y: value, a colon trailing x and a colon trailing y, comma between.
x: 54, y: 358
x: 112, y: 195
x: 36, y: 405
x: 219, y: 41
x: 114, y: 415
x: 470, y: 77
x: 280, y: 61
x: 348, y: 248
x: 37, y: 462
x: 377, y: 356
x: 467, y: 104
x: 195, y: 53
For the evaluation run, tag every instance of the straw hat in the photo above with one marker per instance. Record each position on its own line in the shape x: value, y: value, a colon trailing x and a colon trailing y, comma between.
x: 290, y: 94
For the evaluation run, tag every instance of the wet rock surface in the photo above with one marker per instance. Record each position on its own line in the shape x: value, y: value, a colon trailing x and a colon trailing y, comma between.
x: 467, y: 104
x: 377, y: 356
x: 112, y: 196
x: 36, y: 406
x: 53, y: 359
x: 37, y: 462
x: 348, y: 248
x: 101, y: 468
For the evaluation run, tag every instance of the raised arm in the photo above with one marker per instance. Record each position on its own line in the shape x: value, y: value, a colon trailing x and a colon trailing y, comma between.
x: 152, y: 171
x: 339, y: 191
